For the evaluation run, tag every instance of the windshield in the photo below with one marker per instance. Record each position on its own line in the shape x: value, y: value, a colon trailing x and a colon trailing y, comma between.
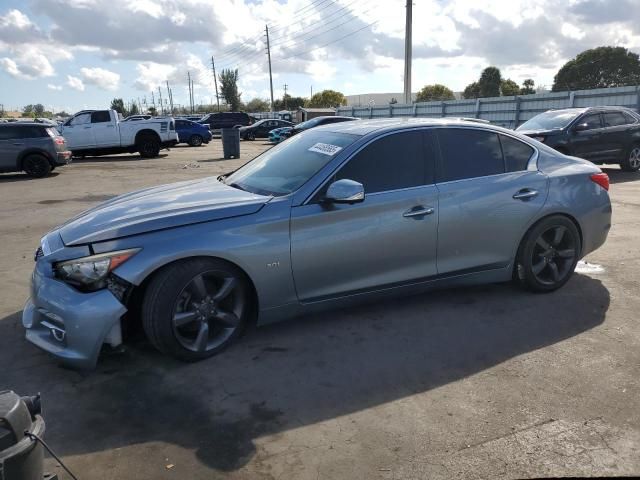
x: 288, y: 166
x: 550, y: 120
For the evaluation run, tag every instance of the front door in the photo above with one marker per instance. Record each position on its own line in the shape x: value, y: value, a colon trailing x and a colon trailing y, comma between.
x: 488, y: 196
x: 386, y: 240
x: 587, y: 143
x: 78, y: 132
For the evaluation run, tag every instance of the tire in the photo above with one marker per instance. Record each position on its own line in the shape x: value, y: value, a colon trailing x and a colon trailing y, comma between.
x: 631, y: 162
x: 548, y: 254
x: 184, y: 297
x: 195, y: 140
x: 148, y: 146
x: 36, y: 166
x: 251, y: 136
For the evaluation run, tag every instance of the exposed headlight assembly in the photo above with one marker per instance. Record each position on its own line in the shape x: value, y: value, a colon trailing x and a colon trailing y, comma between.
x: 90, y: 273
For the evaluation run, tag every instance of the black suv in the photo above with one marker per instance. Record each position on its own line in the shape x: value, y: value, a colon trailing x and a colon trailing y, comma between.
x: 36, y: 148
x: 597, y: 134
x: 262, y: 128
x: 225, y: 120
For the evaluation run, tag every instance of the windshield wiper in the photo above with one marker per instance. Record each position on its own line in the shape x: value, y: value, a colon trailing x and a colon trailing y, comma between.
x: 236, y: 185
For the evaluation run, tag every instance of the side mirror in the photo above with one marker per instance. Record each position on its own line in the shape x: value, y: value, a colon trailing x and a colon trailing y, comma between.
x: 581, y: 127
x: 344, y: 191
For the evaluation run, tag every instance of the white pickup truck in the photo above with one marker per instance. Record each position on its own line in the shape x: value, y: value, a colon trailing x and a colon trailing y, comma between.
x: 100, y: 132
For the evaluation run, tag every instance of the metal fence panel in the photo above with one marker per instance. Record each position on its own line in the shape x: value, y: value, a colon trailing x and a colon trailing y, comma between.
x: 506, y: 111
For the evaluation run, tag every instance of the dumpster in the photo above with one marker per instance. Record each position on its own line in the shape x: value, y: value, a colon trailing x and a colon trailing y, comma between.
x: 21, y: 455
x: 231, y: 142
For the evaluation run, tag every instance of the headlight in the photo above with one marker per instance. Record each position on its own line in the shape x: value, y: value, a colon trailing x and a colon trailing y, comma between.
x: 540, y: 139
x: 90, y: 273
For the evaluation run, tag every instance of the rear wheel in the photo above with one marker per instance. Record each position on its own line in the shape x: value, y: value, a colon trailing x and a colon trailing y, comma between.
x: 148, y: 146
x: 196, y: 308
x: 195, y: 140
x: 548, y: 254
x: 631, y: 162
x: 251, y: 136
x: 36, y: 166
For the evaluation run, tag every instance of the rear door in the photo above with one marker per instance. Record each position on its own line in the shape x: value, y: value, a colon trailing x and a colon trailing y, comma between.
x: 104, y: 129
x: 386, y: 240
x: 616, y: 136
x: 78, y: 132
x: 587, y: 143
x: 487, y: 198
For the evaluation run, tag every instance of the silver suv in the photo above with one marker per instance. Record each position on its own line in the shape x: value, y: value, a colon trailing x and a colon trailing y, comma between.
x: 36, y: 148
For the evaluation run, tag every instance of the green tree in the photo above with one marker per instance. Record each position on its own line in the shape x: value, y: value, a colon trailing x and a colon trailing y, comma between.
x: 38, y: 110
x: 435, y: 92
x: 293, y: 103
x: 117, y: 104
x: 472, y: 90
x: 152, y: 111
x: 509, y: 88
x: 326, y: 98
x: 229, y: 88
x: 257, y: 105
x: 489, y: 83
x: 27, y: 110
x: 134, y: 109
x: 61, y: 114
x: 528, y: 87
x: 599, y: 68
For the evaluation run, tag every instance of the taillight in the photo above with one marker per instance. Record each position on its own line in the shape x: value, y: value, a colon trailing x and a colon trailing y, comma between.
x: 601, y: 179
x: 58, y: 140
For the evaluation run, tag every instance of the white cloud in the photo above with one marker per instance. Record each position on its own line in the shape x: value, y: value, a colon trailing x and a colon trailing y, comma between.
x: 101, y: 77
x: 75, y: 83
x: 10, y: 66
x: 51, y: 86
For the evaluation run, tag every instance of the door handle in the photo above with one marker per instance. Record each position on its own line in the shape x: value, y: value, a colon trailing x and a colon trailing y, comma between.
x: 525, y: 194
x: 86, y: 127
x: 418, y: 212
x: 18, y: 143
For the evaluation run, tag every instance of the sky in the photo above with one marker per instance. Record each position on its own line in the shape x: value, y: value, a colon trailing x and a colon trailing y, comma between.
x: 75, y: 54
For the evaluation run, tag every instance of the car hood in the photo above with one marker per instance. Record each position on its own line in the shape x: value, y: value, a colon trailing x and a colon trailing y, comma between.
x: 158, y: 208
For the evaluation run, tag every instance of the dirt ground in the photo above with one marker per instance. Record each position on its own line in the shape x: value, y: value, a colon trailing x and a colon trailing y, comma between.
x: 485, y: 382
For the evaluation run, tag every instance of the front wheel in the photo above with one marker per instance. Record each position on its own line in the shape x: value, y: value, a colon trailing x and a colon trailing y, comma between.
x: 548, y: 254
x: 631, y: 162
x: 195, y: 140
x: 196, y: 308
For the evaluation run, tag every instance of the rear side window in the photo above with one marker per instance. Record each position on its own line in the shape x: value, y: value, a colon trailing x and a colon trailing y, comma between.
x: 629, y: 118
x: 613, y: 119
x: 516, y: 153
x: 468, y: 153
x: 390, y: 163
x: 102, y: 116
x: 7, y: 133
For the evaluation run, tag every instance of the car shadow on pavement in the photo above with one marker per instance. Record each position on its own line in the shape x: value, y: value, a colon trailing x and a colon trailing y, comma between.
x: 295, y: 373
x: 23, y: 177
x: 115, y: 158
x: 619, y: 176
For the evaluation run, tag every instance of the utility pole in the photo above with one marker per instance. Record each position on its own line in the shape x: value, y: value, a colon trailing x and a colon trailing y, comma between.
x: 190, y: 99
x: 311, y: 92
x: 153, y: 101
x: 215, y: 81
x: 170, y: 97
x: 266, y: 29
x: 284, y: 97
x: 161, y: 105
x: 407, y: 54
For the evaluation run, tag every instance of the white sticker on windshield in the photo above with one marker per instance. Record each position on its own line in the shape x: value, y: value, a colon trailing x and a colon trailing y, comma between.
x: 325, y: 148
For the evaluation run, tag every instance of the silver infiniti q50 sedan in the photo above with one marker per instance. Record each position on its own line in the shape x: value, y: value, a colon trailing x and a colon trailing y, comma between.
x: 335, y: 215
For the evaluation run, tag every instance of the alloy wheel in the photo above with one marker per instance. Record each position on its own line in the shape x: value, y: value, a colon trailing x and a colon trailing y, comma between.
x: 208, y: 311
x: 634, y: 158
x: 553, y: 255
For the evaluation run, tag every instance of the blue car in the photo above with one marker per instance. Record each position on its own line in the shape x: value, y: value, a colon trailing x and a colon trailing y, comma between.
x: 193, y: 133
x: 343, y: 213
x: 279, y: 134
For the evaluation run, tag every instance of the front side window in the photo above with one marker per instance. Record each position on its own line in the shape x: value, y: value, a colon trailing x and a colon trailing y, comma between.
x: 289, y: 165
x: 81, y: 119
x: 552, y: 120
x: 592, y: 121
x: 468, y: 153
x: 392, y: 162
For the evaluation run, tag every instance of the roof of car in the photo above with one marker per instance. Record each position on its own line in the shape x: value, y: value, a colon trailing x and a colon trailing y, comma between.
x: 27, y: 124
x: 364, y: 127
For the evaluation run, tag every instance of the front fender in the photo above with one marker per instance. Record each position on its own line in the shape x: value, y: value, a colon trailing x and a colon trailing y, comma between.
x: 258, y: 244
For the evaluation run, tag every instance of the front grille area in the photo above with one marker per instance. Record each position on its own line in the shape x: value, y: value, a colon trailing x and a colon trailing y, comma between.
x: 39, y: 254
